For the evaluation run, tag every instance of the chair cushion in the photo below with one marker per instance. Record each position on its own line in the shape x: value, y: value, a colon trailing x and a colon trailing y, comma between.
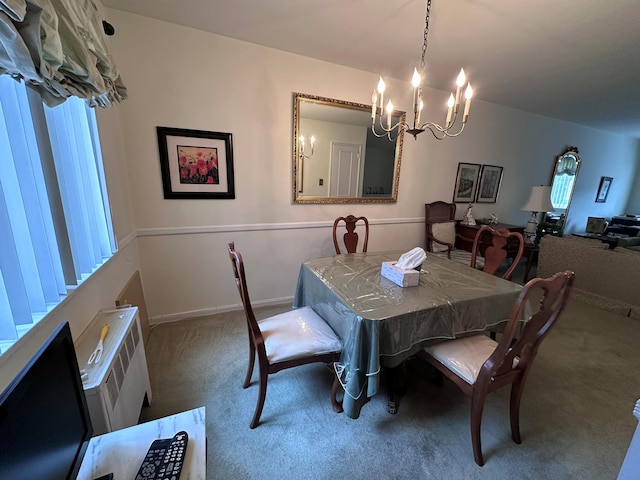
x: 445, y: 232
x: 297, y: 333
x: 464, y: 356
x: 464, y: 257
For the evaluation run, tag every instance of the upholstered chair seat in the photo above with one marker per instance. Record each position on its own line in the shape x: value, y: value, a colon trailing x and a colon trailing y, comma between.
x: 443, y: 236
x: 296, y: 334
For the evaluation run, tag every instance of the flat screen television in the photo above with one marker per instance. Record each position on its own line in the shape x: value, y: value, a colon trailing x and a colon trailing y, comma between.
x: 45, y: 426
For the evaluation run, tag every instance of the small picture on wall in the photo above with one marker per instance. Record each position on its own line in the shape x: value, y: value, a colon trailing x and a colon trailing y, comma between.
x: 603, y: 189
x: 466, y: 182
x: 490, y: 178
x: 195, y: 163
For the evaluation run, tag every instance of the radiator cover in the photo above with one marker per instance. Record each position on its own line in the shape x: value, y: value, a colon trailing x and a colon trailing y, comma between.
x: 118, y: 386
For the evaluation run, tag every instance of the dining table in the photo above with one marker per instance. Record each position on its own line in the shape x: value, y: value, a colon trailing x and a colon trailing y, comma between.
x: 381, y: 324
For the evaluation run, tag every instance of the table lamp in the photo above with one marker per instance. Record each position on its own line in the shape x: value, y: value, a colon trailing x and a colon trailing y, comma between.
x: 539, y: 201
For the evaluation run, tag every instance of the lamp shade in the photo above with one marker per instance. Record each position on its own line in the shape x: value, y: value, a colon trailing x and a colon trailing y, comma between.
x: 539, y: 200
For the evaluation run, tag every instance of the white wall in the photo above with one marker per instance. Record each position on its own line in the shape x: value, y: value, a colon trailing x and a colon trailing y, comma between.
x: 185, y: 78
x: 633, y: 205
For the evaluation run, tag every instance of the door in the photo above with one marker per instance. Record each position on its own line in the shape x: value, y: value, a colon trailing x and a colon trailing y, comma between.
x: 345, y: 170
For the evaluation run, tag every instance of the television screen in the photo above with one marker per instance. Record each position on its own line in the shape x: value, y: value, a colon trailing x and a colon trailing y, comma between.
x: 44, y: 419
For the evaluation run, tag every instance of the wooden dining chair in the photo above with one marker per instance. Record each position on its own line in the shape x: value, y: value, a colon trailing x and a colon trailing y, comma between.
x: 479, y: 365
x: 287, y: 340
x: 495, y: 249
x: 440, y: 227
x: 350, y: 238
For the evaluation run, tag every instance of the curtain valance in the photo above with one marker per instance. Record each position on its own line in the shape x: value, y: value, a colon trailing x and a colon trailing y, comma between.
x: 58, y: 47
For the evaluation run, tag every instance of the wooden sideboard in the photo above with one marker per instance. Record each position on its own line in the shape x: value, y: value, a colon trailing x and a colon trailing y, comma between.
x: 465, y: 235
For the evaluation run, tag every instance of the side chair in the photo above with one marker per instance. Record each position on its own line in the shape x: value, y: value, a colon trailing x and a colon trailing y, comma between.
x: 287, y: 340
x: 479, y: 365
x: 495, y: 253
x: 440, y: 223
x: 350, y: 238
x: 440, y: 232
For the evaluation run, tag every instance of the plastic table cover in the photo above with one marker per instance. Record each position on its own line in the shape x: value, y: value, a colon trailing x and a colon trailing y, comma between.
x: 381, y: 323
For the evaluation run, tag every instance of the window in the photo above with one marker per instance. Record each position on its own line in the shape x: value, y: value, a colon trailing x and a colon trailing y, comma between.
x: 561, y: 190
x: 55, y: 222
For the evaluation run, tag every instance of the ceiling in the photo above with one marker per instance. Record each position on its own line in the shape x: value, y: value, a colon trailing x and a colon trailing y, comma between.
x: 574, y: 60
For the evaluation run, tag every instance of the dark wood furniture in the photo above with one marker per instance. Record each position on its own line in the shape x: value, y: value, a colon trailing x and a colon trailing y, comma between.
x: 479, y: 365
x: 466, y: 234
x: 287, y: 340
x: 350, y: 238
x: 438, y: 212
x: 495, y: 252
x: 624, y: 225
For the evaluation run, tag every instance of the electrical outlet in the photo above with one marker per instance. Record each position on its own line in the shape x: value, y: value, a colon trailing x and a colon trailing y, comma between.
x: 321, y: 182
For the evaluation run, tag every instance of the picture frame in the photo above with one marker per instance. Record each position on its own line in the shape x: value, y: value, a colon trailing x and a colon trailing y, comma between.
x: 596, y: 225
x: 603, y: 189
x: 466, y: 182
x: 196, y: 164
x: 489, y: 184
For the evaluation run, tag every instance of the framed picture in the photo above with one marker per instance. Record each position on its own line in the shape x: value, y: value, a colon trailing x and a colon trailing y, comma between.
x: 490, y: 178
x: 195, y: 163
x: 595, y: 225
x: 466, y: 182
x: 603, y: 189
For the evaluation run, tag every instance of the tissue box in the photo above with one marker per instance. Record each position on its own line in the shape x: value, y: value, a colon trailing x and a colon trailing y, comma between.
x: 404, y: 278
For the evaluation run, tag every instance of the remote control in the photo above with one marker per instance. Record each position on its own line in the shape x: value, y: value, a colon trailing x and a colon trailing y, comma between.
x: 171, y: 465
x: 153, y: 460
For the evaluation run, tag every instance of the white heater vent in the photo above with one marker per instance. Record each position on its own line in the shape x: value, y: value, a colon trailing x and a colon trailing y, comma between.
x: 118, y: 385
x: 112, y: 389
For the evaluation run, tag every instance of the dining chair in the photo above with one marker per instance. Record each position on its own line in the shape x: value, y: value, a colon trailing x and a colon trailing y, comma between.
x: 291, y: 339
x: 495, y: 250
x: 440, y: 232
x: 440, y: 227
x: 350, y: 238
x: 479, y: 365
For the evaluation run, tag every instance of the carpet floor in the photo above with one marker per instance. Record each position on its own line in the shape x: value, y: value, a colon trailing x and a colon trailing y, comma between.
x: 576, y: 413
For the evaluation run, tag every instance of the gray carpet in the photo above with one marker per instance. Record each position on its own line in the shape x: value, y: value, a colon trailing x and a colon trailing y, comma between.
x: 576, y: 414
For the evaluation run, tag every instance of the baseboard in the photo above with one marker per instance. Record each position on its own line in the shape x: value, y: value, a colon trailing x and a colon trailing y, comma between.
x: 174, y: 317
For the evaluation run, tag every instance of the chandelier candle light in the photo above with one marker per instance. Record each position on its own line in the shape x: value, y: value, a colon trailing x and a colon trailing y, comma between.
x: 438, y: 131
x: 302, y: 157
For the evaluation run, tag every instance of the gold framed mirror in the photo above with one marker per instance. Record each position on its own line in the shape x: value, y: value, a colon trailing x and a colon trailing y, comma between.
x: 563, y: 182
x: 336, y: 157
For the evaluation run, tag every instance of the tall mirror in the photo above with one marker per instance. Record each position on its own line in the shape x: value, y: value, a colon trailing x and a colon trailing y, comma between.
x: 563, y: 181
x: 336, y: 157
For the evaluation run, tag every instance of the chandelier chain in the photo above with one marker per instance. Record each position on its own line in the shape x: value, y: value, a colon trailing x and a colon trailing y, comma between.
x: 424, y: 42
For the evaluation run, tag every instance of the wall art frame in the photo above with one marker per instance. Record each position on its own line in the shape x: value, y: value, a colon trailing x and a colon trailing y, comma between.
x: 603, y: 189
x: 196, y: 164
x: 489, y: 184
x: 466, y: 182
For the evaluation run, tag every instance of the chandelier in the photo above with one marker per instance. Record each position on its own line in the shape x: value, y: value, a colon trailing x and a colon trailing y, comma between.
x: 438, y: 131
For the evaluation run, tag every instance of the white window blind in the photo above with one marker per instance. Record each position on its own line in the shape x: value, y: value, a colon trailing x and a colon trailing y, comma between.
x: 55, y: 223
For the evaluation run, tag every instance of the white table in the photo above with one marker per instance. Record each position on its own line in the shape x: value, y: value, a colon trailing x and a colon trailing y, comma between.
x: 121, y: 452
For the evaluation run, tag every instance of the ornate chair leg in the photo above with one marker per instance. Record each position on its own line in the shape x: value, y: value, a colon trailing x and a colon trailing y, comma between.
x: 514, y: 410
x: 252, y: 359
x: 477, y: 405
x: 261, y: 397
